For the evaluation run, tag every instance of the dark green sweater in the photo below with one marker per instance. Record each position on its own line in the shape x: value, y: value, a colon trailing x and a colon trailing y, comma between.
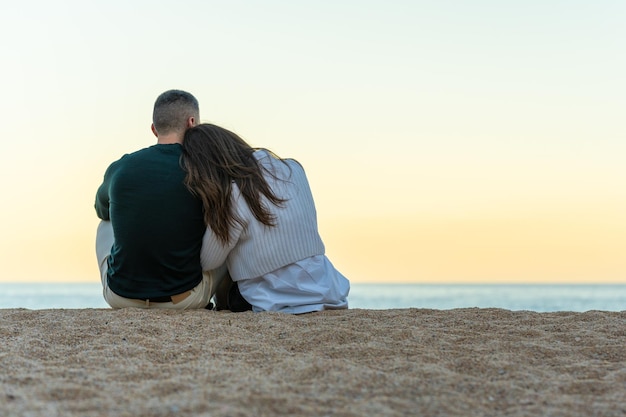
x: 157, y: 222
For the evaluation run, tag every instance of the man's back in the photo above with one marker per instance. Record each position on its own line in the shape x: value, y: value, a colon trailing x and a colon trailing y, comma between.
x: 157, y: 222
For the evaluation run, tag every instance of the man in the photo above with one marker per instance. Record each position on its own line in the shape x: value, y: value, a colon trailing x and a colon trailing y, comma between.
x: 148, y: 242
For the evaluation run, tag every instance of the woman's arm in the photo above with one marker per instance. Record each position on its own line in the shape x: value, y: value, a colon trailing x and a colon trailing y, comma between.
x: 214, y: 252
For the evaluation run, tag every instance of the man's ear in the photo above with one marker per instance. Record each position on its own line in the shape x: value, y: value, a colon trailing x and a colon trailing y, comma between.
x: 191, y: 122
x: 154, y: 130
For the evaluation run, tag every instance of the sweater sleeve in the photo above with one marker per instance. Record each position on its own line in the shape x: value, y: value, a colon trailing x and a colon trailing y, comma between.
x: 102, y: 196
x: 214, y: 253
x: 103, y: 199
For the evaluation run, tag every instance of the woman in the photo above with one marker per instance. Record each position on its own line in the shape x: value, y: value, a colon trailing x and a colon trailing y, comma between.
x: 261, y: 220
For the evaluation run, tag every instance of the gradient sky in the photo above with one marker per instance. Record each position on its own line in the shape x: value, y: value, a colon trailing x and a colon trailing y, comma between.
x: 445, y: 141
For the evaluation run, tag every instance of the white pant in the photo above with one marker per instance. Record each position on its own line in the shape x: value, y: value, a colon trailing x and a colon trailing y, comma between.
x: 200, y: 295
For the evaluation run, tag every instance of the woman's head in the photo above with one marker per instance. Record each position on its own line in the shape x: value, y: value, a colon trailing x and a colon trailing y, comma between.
x: 216, y: 146
x: 214, y: 158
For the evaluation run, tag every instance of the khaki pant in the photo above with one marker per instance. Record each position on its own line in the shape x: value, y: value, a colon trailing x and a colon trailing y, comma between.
x: 199, y: 297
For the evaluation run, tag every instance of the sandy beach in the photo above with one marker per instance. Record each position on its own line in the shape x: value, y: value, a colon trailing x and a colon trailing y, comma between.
x: 405, y: 362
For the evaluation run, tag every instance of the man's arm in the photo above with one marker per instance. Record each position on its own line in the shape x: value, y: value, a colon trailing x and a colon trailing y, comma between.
x: 102, y: 202
x: 102, y: 196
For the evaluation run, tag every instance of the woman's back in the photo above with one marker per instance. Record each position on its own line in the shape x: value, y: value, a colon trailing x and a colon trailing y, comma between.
x: 261, y: 248
x: 262, y: 221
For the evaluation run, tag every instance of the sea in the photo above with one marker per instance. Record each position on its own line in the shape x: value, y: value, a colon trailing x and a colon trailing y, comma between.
x: 529, y: 297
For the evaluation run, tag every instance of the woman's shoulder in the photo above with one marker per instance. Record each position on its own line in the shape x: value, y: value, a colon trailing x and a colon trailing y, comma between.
x: 267, y: 157
x: 279, y: 168
x: 264, y: 155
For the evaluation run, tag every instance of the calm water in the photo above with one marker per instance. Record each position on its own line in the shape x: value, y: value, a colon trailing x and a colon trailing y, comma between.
x: 540, y: 298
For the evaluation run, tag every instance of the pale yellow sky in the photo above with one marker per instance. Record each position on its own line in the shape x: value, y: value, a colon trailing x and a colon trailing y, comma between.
x: 444, y: 142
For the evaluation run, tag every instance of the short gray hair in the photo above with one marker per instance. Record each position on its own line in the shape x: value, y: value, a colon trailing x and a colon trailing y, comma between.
x: 172, y: 109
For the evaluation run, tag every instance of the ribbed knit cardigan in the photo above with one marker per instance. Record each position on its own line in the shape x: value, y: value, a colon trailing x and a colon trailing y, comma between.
x: 255, y: 249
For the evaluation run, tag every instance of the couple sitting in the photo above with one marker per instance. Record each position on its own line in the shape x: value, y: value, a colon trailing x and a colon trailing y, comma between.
x: 201, y: 214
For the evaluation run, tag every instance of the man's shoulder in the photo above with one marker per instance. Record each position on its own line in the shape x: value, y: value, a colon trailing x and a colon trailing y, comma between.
x: 124, y: 159
x: 138, y: 153
x: 131, y: 154
x: 154, y: 159
x: 156, y: 151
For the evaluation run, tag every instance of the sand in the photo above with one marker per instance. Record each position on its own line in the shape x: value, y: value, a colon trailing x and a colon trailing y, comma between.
x: 405, y: 362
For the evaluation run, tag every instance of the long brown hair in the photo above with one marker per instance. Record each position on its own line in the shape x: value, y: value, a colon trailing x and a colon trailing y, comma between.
x: 214, y: 158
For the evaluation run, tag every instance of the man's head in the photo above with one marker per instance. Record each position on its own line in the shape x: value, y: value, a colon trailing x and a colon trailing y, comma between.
x: 175, y: 111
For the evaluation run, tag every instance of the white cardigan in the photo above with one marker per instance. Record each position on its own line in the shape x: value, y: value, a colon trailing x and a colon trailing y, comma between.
x: 255, y: 249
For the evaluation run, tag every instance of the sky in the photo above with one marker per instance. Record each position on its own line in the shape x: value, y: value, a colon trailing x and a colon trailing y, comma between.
x: 445, y: 141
